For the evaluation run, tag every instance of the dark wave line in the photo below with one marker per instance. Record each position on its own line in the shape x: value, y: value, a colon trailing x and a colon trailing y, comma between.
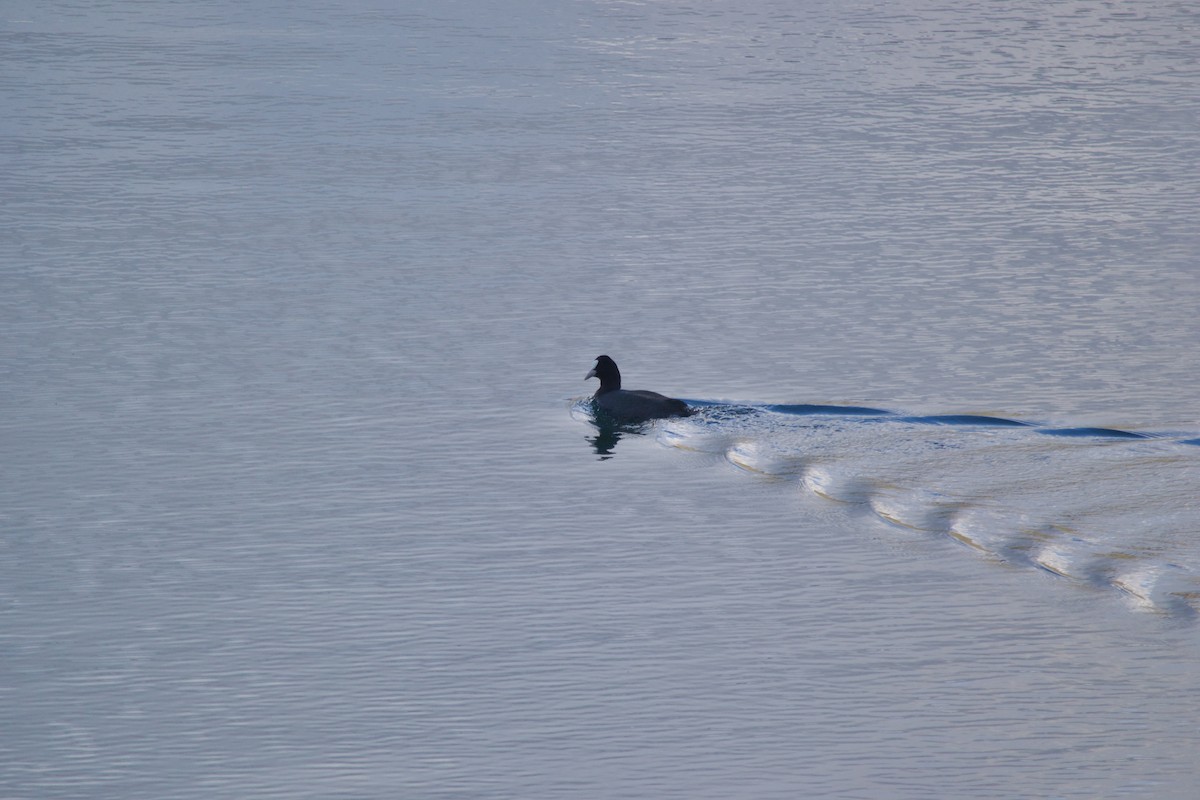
x: 966, y: 420
x: 805, y: 409
x: 969, y: 419
x: 1106, y: 433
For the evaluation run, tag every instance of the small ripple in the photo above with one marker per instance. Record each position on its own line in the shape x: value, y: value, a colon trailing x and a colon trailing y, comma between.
x: 694, y: 438
x: 836, y: 485
x: 1056, y: 560
x: 919, y: 509
x: 764, y: 460
x: 1159, y: 588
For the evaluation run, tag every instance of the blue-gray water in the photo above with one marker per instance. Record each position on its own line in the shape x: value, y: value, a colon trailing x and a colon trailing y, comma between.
x: 297, y: 500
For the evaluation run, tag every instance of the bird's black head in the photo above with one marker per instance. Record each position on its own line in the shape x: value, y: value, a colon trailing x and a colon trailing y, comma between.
x: 606, y: 370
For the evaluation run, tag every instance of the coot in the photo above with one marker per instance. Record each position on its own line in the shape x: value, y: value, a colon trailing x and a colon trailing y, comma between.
x: 630, y: 405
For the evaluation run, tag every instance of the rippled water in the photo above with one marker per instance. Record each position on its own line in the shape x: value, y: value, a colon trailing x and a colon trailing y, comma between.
x: 1103, y: 507
x: 297, y: 499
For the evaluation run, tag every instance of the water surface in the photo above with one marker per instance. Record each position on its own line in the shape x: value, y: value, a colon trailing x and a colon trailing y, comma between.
x: 296, y: 302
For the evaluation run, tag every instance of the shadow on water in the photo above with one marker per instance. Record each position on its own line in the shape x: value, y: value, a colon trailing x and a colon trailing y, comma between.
x: 608, y: 430
x: 608, y: 433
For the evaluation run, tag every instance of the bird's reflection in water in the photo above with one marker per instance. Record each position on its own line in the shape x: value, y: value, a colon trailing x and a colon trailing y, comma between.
x: 608, y: 433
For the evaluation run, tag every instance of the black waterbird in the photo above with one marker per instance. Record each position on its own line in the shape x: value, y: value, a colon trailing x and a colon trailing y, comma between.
x: 630, y: 405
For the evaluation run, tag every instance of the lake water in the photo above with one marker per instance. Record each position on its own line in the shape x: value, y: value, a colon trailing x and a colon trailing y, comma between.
x: 298, y: 498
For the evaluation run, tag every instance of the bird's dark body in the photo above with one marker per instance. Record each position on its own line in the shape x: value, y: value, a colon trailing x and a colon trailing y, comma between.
x: 630, y: 405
